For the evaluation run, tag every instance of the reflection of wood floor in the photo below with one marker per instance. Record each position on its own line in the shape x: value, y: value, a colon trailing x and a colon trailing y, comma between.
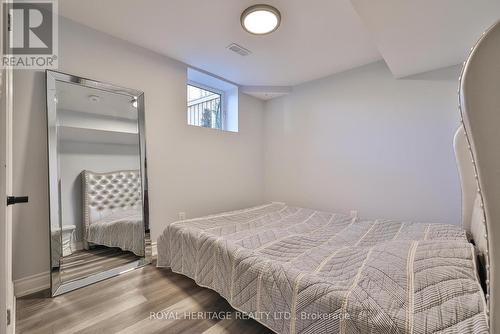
x: 87, y: 262
x: 123, y: 304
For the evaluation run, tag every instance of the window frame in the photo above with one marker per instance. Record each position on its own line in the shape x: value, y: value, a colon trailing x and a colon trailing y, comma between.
x: 223, y: 108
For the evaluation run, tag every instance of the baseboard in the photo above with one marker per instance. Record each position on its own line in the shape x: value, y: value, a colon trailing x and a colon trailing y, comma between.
x: 31, y: 284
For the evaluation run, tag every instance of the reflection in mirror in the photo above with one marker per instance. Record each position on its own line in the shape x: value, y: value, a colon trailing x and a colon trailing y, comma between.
x: 97, y: 180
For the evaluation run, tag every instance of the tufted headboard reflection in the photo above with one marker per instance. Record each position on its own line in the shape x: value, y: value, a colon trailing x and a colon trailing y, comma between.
x: 106, y: 193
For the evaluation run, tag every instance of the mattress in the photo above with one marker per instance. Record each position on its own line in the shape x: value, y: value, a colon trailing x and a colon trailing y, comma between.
x: 298, y: 270
x: 123, y: 229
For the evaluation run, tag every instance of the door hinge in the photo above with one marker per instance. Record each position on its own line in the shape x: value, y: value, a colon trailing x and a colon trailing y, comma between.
x: 8, y: 317
x: 9, y: 20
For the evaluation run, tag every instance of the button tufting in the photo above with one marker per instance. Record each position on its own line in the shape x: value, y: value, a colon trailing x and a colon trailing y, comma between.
x: 113, y: 190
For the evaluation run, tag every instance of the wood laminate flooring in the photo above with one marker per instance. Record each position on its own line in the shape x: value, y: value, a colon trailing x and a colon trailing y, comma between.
x: 84, y: 263
x: 125, y: 304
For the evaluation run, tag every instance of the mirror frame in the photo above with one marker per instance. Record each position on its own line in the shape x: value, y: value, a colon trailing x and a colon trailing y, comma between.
x: 57, y: 286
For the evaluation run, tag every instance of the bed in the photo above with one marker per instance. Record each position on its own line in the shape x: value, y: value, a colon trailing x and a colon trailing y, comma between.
x: 112, y: 210
x: 298, y: 270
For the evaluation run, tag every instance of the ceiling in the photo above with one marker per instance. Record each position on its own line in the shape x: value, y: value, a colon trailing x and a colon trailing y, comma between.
x: 316, y: 38
x: 416, y: 36
x: 76, y: 98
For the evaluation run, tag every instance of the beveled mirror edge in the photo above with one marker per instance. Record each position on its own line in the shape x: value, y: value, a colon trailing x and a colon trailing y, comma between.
x: 91, y: 279
x: 56, y: 286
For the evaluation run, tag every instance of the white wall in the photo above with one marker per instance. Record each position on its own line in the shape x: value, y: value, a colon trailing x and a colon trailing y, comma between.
x: 191, y: 169
x: 366, y: 141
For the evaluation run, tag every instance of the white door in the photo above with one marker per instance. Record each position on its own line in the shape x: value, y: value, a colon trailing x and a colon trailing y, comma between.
x: 7, y: 301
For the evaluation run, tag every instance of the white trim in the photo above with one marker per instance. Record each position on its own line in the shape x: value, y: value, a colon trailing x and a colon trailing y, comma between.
x: 31, y: 284
x: 202, y: 86
x: 154, y: 249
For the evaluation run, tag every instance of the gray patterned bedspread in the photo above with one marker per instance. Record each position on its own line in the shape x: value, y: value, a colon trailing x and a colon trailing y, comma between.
x: 297, y: 270
x: 123, y: 229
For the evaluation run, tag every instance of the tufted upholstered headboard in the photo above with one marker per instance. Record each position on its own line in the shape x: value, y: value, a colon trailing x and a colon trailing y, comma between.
x: 472, y: 211
x: 106, y: 193
x: 480, y: 111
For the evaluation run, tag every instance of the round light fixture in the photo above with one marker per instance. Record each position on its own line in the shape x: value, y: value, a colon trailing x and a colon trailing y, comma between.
x: 260, y: 19
x: 94, y: 98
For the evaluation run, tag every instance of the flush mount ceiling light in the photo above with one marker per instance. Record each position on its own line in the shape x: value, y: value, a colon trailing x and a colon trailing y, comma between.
x: 260, y: 19
x: 94, y: 98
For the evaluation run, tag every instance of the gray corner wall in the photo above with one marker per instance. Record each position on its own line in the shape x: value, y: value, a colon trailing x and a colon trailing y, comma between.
x: 363, y: 140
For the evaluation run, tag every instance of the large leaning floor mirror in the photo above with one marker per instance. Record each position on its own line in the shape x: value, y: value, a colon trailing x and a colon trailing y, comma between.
x: 97, y: 181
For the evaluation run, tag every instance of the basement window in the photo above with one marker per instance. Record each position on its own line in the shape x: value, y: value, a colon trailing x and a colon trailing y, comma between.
x: 204, y: 107
x: 211, y: 102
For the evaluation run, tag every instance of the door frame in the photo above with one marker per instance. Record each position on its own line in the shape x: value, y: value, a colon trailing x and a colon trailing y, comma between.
x: 8, y: 306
